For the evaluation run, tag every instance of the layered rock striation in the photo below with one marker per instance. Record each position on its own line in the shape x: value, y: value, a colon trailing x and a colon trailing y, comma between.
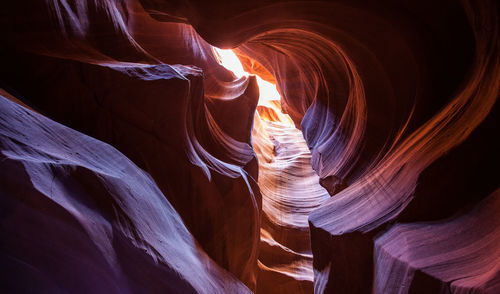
x: 375, y: 173
x: 79, y: 217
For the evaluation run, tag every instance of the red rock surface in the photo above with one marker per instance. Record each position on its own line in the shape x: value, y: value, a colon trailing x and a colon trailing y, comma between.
x: 395, y: 115
x: 290, y: 191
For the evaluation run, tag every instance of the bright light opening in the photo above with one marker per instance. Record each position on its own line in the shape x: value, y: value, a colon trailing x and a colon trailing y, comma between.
x: 230, y: 61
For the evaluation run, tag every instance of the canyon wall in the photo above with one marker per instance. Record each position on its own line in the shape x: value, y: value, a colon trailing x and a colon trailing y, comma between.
x: 375, y: 172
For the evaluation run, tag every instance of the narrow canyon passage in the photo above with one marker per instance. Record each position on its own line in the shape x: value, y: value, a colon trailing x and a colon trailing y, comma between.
x: 289, y: 187
x: 290, y: 191
x: 265, y: 147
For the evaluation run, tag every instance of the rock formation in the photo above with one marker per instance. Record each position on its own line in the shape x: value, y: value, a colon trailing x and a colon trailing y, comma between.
x: 290, y: 191
x: 133, y: 161
x: 74, y: 218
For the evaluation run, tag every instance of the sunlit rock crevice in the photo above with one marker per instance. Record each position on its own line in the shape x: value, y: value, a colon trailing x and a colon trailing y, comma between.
x: 353, y: 150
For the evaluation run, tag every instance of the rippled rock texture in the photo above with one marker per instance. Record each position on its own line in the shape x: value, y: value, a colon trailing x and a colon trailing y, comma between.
x: 74, y: 218
x: 290, y: 191
x: 376, y: 172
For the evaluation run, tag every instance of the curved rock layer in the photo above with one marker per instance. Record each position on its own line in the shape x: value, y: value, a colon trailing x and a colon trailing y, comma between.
x: 451, y: 256
x: 74, y: 210
x: 290, y: 191
x: 125, y: 106
x: 396, y: 101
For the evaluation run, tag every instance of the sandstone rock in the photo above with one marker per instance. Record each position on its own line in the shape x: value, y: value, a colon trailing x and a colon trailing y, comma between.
x: 80, y: 217
x: 396, y: 102
x: 457, y: 255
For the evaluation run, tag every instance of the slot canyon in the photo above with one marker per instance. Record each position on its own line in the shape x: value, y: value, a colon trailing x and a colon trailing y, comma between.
x: 265, y: 146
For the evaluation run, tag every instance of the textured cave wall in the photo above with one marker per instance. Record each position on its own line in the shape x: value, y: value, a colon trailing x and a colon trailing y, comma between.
x: 396, y: 101
x: 74, y: 218
x: 161, y: 135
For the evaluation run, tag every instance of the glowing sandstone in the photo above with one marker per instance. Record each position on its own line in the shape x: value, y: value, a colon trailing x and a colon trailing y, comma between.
x: 396, y: 101
x: 289, y: 189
